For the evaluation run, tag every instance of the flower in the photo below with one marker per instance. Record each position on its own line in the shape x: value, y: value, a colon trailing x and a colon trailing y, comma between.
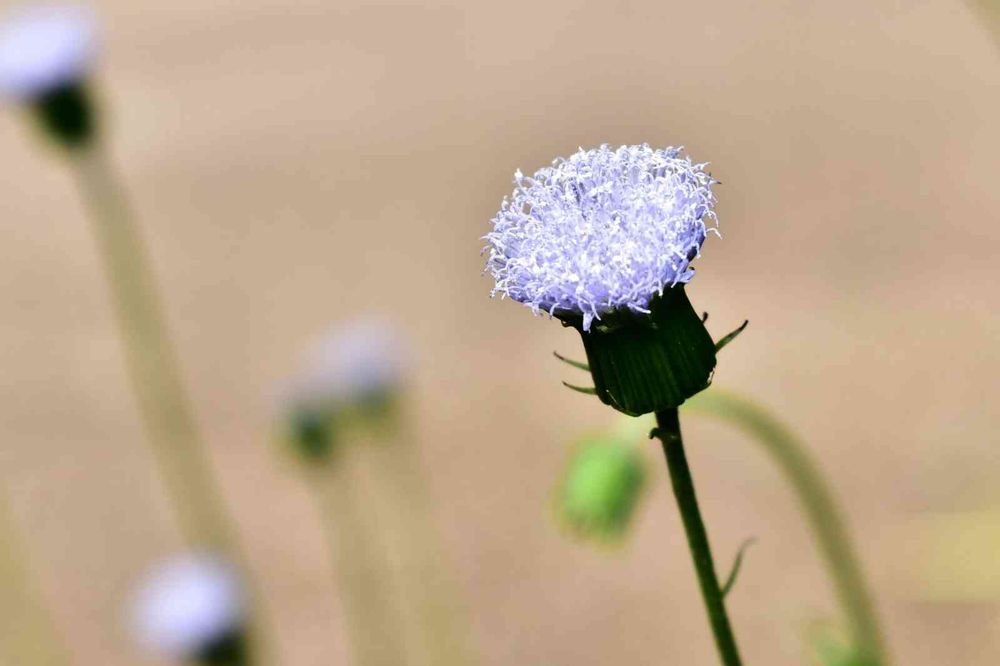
x: 354, y: 362
x: 355, y: 370
x: 45, y: 48
x: 188, y: 604
x: 604, y: 230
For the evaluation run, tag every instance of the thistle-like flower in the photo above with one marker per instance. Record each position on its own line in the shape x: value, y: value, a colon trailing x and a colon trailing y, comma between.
x: 601, y: 488
x: 45, y: 48
x: 356, y: 370
x: 604, y: 241
x: 605, y: 230
x: 46, y: 54
x: 191, y: 607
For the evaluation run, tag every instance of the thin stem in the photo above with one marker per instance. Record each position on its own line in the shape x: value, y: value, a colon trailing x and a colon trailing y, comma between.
x: 437, y: 635
x: 818, y: 503
x: 668, y: 429
x: 167, y: 415
x: 27, y: 631
x: 373, y: 619
x: 164, y: 407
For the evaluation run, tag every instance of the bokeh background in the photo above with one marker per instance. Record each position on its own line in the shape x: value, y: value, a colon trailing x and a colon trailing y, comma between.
x: 297, y: 163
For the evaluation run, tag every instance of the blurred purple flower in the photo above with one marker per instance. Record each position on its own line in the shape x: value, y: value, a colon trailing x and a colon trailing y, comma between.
x: 603, y: 230
x: 43, y: 48
x: 186, y: 604
x: 355, y: 361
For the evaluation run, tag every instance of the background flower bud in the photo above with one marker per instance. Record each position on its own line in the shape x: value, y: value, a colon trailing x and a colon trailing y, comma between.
x: 601, y: 487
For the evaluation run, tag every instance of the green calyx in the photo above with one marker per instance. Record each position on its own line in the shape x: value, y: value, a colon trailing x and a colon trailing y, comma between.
x: 229, y: 650
x: 643, y: 363
x: 312, y: 434
x: 315, y: 429
x: 67, y: 115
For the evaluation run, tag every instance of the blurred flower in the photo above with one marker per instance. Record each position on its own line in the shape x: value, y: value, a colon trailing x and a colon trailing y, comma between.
x: 45, y: 48
x: 188, y: 606
x: 355, y: 361
x: 355, y: 371
x: 601, y: 487
x: 604, y: 230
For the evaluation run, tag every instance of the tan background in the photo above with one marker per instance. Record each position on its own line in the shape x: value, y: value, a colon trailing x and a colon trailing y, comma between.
x: 295, y: 163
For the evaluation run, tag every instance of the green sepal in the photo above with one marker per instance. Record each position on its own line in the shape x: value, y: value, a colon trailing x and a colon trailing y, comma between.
x: 729, y: 337
x: 734, y: 573
x: 571, y: 362
x: 67, y: 115
x: 580, y: 389
x: 643, y: 363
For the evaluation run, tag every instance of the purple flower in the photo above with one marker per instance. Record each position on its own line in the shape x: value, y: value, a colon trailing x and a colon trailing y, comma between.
x: 187, y: 603
x: 43, y: 48
x: 604, y: 230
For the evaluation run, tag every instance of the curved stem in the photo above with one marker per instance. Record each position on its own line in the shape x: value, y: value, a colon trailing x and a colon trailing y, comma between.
x: 817, y: 501
x: 668, y: 429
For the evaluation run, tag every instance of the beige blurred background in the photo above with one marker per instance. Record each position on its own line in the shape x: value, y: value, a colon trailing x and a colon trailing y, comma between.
x: 296, y: 163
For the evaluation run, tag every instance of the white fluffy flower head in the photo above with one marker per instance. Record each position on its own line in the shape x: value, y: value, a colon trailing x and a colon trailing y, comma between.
x: 186, y: 604
x: 43, y: 48
x: 604, y: 230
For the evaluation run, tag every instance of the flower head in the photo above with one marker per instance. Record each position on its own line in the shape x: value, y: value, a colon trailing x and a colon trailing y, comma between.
x: 45, y: 48
x: 353, y: 362
x: 604, y: 230
x: 187, y: 604
x: 353, y: 374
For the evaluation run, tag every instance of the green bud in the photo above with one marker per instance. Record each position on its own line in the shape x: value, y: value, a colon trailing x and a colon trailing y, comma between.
x: 601, y: 488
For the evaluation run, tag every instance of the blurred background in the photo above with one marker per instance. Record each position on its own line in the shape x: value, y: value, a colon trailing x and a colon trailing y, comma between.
x: 297, y: 163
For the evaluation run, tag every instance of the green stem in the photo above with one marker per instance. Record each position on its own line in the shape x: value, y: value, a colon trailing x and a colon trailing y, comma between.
x: 167, y: 415
x: 27, y: 634
x: 818, y: 502
x: 373, y: 617
x: 668, y: 429
x: 164, y: 407
x: 434, y: 624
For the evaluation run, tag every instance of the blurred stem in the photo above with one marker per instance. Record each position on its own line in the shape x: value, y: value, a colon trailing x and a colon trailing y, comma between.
x: 373, y: 621
x: 989, y: 14
x: 435, y: 626
x: 668, y: 429
x: 28, y: 634
x: 166, y: 413
x: 819, y: 505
